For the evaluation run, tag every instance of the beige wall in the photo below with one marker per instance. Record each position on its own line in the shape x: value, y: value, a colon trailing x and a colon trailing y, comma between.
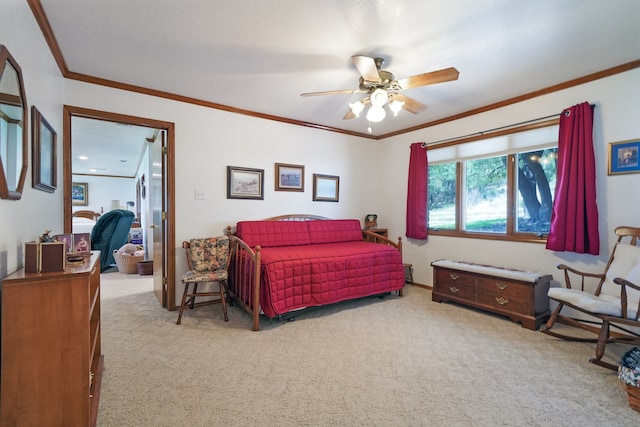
x: 207, y: 141
x: 615, y: 119
x: 25, y: 219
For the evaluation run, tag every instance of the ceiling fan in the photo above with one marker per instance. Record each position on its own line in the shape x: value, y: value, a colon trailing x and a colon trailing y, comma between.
x: 382, y: 87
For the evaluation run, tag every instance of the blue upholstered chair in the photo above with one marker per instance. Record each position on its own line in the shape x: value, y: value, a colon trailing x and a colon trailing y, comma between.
x: 110, y: 233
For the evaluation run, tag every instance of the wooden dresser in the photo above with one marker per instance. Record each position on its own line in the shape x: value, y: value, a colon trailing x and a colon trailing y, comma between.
x: 51, y: 354
x: 520, y: 295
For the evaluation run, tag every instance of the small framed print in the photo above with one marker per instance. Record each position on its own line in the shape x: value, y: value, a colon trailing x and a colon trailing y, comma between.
x: 80, y: 194
x: 289, y: 177
x: 81, y: 242
x: 623, y: 157
x: 67, y: 239
x: 326, y: 188
x: 245, y: 183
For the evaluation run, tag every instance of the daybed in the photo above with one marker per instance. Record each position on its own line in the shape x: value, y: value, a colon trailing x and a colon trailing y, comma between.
x: 288, y: 263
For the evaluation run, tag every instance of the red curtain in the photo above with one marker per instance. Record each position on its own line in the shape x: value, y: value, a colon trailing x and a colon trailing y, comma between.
x: 574, y: 220
x: 417, y: 192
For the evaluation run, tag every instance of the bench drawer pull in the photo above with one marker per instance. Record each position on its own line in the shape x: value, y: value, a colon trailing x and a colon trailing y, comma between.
x: 454, y: 290
x: 502, y: 286
x: 453, y: 276
x: 502, y: 301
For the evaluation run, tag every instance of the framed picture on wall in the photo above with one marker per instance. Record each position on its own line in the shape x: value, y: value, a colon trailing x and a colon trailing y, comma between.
x: 289, y: 177
x: 44, y: 170
x: 245, y: 183
x: 623, y: 157
x: 326, y: 188
x: 80, y: 194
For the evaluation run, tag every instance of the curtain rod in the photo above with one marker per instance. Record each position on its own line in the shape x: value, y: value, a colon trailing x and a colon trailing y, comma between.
x: 565, y: 112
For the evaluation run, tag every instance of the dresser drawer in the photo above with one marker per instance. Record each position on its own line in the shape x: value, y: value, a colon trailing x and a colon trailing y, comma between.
x: 452, y: 277
x: 505, y: 302
x: 456, y: 290
x: 504, y: 287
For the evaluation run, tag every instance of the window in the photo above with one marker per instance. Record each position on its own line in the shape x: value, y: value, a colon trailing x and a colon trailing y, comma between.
x: 497, y: 187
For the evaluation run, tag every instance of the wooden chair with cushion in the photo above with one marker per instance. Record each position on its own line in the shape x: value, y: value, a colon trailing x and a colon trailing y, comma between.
x: 208, y: 261
x: 615, y: 301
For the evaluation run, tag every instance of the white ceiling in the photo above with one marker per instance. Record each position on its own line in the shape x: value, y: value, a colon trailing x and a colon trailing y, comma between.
x: 261, y: 55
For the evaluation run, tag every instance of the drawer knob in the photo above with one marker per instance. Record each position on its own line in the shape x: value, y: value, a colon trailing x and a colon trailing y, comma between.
x: 454, y: 290
x: 502, y: 286
x: 502, y: 301
x: 453, y: 276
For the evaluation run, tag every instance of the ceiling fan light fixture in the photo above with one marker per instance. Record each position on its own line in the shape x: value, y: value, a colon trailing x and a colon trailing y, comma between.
x: 396, y: 106
x: 376, y: 114
x: 356, y: 108
x: 379, y: 97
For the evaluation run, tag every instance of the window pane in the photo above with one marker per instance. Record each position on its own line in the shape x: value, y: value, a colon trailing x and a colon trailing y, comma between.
x: 486, y: 195
x: 442, y: 196
x: 536, y: 176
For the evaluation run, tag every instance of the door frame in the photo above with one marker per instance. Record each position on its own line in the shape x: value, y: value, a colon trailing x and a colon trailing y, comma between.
x: 169, y: 190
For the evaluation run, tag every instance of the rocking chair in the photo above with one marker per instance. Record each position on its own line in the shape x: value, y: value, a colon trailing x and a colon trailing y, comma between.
x: 616, y: 300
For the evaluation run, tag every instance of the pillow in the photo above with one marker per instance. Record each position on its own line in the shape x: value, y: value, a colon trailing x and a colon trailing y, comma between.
x: 128, y: 248
x: 335, y: 231
x: 273, y: 233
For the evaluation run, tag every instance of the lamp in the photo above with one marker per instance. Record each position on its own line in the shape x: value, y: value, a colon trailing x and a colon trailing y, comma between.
x: 379, y: 97
x: 376, y: 112
x: 356, y: 108
x: 396, y: 106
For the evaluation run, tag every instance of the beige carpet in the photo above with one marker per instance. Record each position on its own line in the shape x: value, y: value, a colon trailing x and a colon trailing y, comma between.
x: 401, y: 361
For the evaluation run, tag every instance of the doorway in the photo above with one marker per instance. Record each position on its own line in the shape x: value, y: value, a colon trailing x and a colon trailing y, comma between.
x: 160, y: 226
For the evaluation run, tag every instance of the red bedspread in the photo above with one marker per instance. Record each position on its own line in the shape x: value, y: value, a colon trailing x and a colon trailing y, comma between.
x: 294, y: 277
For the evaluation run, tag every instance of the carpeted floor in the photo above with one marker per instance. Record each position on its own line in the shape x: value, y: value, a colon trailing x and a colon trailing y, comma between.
x: 397, y: 361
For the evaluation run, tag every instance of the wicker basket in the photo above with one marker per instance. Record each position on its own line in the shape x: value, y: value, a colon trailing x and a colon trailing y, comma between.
x: 629, y: 374
x: 127, y: 263
x: 634, y: 396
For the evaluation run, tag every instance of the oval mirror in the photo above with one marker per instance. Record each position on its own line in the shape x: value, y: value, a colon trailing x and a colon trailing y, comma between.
x: 13, y: 125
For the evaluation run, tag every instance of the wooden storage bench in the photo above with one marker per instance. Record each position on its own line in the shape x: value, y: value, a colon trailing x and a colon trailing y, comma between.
x: 520, y: 295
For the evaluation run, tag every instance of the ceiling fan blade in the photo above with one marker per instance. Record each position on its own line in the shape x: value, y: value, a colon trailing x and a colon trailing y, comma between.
x: 332, y: 92
x: 410, y: 104
x: 444, y: 75
x: 367, y: 68
x: 349, y: 115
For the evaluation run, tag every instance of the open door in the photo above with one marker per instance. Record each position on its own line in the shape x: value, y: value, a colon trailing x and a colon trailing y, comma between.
x: 157, y: 216
x: 159, y: 191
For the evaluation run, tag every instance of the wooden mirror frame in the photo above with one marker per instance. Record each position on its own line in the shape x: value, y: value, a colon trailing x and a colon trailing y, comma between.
x: 5, y: 191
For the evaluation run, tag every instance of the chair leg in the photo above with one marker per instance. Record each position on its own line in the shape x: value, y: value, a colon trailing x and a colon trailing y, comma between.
x: 223, y: 299
x: 195, y: 291
x: 182, y: 304
x: 552, y: 318
x: 600, y: 347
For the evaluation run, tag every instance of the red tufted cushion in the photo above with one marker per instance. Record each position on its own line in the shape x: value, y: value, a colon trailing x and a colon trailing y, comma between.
x: 273, y: 233
x: 334, y: 231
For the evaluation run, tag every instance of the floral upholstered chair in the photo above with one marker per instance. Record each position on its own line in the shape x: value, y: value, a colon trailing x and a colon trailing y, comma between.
x: 208, y: 261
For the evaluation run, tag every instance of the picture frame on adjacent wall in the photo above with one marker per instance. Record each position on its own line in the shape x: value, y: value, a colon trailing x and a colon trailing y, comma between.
x: 43, y: 147
x: 289, y: 177
x: 623, y: 157
x: 245, y: 183
x: 326, y: 188
x: 80, y: 194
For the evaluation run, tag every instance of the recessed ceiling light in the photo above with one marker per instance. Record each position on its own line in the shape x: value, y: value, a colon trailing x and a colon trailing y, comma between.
x: 83, y: 158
